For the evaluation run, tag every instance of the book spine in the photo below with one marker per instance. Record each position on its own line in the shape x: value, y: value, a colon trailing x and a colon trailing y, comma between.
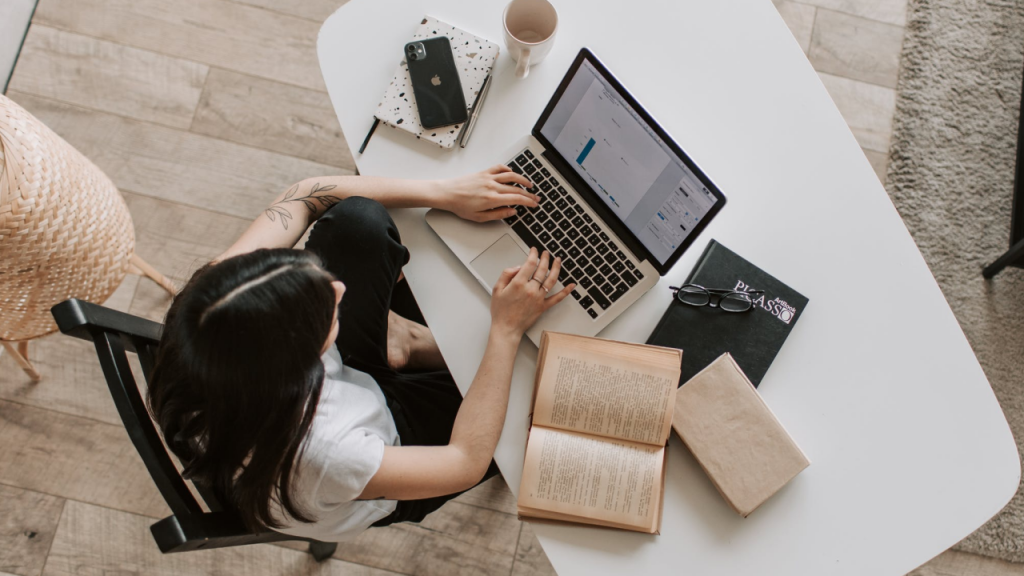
x: 700, y: 261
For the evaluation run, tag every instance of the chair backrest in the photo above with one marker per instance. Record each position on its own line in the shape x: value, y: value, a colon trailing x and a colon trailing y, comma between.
x: 115, y: 334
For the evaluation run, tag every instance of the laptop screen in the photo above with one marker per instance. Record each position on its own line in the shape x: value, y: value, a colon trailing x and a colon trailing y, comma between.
x: 638, y: 176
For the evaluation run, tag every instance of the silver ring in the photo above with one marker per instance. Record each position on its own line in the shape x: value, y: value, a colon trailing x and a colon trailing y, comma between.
x: 541, y: 282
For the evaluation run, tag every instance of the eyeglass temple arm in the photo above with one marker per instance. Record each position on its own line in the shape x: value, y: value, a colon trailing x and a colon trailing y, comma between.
x: 714, y: 291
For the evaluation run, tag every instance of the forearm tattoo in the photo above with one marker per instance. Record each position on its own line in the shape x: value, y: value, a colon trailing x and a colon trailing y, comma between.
x: 279, y: 212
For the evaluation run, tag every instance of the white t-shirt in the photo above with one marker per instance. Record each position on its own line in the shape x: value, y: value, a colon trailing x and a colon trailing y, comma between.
x: 344, y: 449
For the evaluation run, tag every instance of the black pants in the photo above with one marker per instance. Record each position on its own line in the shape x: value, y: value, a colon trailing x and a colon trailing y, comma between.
x: 360, y: 245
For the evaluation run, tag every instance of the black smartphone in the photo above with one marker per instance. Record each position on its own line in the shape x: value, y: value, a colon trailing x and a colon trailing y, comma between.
x: 435, y: 82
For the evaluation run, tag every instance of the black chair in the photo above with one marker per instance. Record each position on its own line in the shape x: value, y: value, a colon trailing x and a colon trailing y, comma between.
x: 1015, y: 255
x: 189, y: 527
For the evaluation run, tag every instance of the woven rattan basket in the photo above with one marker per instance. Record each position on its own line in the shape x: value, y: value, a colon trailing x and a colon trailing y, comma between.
x: 65, y: 230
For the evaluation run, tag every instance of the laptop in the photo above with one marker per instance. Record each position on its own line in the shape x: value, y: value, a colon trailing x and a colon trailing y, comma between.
x: 620, y: 203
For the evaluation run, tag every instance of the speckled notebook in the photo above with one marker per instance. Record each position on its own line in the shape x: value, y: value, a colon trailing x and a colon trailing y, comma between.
x: 473, y: 55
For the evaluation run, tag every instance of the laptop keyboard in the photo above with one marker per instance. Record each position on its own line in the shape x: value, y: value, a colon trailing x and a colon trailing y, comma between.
x: 601, y: 270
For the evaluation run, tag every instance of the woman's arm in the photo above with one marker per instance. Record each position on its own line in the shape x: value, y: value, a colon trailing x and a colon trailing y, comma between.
x: 481, y: 196
x: 415, y: 472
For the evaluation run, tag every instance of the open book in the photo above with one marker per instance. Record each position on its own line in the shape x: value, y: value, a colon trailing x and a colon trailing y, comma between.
x: 602, y: 413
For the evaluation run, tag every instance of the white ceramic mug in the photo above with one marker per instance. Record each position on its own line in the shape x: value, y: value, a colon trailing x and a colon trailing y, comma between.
x: 530, y: 27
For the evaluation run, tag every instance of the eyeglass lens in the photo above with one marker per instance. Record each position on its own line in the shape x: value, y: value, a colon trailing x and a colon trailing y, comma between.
x: 694, y: 296
x: 735, y: 302
x: 731, y: 302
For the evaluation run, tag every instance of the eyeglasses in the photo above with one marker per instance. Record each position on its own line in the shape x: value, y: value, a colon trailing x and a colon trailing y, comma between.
x: 726, y: 300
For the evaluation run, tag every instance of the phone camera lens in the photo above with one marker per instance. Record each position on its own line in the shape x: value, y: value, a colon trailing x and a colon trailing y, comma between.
x: 412, y: 56
x: 410, y: 49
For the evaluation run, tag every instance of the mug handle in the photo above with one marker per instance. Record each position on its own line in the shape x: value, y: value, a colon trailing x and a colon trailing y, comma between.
x: 523, y: 66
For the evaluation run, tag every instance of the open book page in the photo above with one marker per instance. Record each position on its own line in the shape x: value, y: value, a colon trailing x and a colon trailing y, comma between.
x: 535, y: 514
x: 615, y: 482
x: 607, y: 388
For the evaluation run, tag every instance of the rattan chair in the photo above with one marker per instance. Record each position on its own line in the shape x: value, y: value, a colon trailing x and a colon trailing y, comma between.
x: 189, y: 527
x: 65, y: 231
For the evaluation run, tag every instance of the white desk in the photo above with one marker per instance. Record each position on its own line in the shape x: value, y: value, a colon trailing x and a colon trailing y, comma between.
x: 910, y: 451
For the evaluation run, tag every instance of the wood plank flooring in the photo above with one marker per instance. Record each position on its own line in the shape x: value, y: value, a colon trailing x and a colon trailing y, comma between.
x: 166, y: 89
x: 253, y: 111
x: 201, y: 111
x: 95, y: 541
x: 219, y: 33
x: 28, y: 521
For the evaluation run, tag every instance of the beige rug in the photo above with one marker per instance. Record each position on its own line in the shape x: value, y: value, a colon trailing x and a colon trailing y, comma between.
x: 950, y: 175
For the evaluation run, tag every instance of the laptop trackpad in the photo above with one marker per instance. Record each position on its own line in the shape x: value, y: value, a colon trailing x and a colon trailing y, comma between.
x: 504, y: 253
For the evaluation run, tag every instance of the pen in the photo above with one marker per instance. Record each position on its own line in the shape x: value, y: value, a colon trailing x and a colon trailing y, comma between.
x: 476, y: 110
x: 368, y: 134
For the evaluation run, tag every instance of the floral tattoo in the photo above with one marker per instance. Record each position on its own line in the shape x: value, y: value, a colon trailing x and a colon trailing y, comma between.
x: 278, y: 212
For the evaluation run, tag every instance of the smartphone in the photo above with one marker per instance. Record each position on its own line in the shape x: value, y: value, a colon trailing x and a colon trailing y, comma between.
x: 435, y: 82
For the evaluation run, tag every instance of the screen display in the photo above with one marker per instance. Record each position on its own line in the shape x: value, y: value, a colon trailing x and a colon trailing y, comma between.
x: 626, y: 163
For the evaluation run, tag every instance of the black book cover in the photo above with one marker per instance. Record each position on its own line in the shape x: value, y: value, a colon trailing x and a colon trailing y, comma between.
x: 705, y: 333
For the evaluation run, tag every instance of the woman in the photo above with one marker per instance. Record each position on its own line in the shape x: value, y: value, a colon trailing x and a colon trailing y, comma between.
x: 303, y: 385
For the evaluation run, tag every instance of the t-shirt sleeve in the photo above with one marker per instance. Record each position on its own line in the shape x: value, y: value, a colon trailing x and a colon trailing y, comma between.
x: 351, y: 462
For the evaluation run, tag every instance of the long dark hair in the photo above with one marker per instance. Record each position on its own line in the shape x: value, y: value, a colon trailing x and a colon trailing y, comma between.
x: 238, y: 375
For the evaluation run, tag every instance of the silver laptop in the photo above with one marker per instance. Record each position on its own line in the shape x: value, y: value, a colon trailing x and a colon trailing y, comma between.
x: 620, y: 203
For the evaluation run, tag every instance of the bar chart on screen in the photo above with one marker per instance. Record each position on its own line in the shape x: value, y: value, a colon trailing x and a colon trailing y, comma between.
x: 613, y: 152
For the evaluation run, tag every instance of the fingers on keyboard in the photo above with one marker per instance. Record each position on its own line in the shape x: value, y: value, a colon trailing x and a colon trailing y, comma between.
x: 590, y: 258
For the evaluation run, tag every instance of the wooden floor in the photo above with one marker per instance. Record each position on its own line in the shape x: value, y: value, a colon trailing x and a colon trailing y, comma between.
x: 201, y: 111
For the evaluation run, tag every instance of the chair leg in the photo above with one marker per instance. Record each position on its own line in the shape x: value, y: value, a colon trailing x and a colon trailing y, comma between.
x: 322, y: 550
x: 1014, y: 255
x: 20, y: 355
x: 153, y: 274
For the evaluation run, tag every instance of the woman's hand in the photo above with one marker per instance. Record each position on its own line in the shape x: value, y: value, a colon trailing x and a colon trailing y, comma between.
x: 486, y: 195
x: 521, y: 294
x: 417, y: 472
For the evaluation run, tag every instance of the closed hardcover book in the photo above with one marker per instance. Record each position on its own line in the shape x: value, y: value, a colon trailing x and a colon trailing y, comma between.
x: 735, y: 437
x: 753, y: 338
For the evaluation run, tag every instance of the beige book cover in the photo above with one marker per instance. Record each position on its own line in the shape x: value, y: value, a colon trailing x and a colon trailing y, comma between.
x: 734, y: 436
x: 602, y: 415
